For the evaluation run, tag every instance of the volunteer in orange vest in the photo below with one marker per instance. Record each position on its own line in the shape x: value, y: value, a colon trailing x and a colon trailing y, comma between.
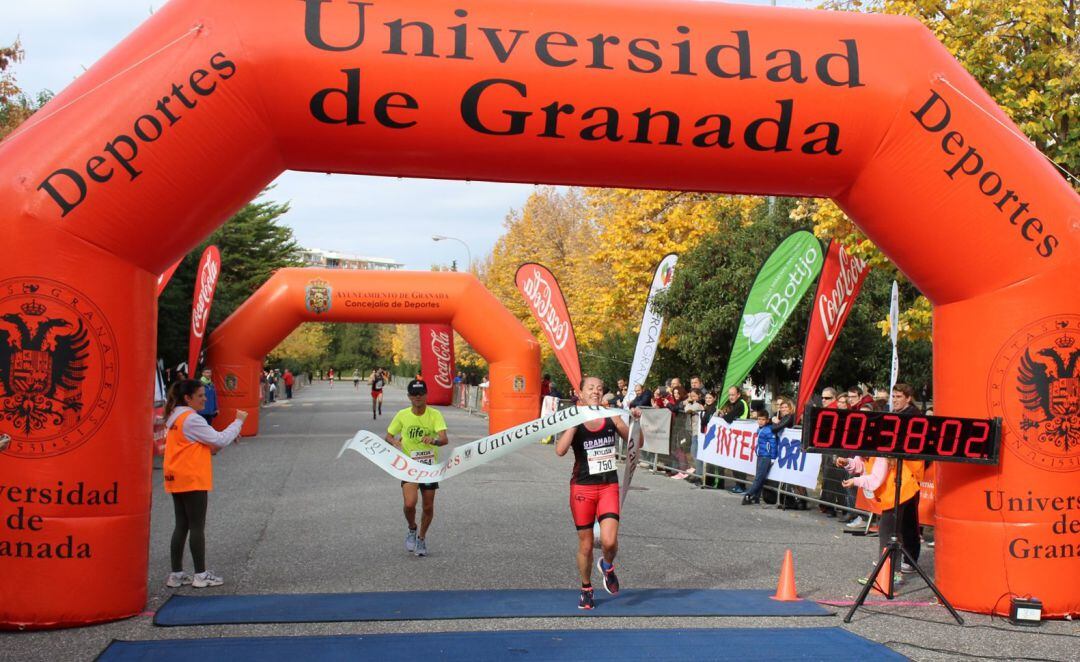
x: 878, y: 482
x: 189, y: 477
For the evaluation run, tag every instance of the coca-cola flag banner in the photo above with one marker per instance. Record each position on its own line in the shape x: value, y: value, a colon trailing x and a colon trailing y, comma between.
x: 206, y: 280
x: 163, y: 279
x: 437, y: 362
x: 547, y: 304
x: 652, y: 323
x: 783, y: 281
x: 841, y: 278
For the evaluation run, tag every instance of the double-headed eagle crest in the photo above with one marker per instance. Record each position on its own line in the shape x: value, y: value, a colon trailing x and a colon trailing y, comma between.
x: 1050, y: 391
x: 41, y: 368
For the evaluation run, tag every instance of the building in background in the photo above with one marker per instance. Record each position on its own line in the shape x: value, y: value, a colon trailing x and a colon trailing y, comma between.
x: 316, y: 257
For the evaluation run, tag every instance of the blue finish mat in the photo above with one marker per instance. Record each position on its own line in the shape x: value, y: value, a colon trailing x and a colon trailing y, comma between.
x: 430, y: 605
x: 535, y: 646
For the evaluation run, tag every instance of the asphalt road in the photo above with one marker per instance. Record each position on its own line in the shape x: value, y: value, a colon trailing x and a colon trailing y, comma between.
x: 286, y: 517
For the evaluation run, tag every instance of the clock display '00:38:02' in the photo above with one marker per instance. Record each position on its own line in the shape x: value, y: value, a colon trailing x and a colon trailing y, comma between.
x: 942, y: 438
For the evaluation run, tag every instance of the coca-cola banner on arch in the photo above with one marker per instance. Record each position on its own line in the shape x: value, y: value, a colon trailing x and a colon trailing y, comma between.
x: 206, y: 280
x: 841, y: 277
x: 547, y: 304
x: 437, y: 362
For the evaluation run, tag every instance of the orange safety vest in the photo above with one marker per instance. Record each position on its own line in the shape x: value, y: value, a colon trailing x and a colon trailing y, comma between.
x: 909, y: 483
x: 187, y: 465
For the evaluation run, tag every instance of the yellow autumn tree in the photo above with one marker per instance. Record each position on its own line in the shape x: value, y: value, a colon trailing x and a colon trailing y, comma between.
x: 637, y: 229
x: 305, y: 348
x: 405, y: 344
x: 554, y: 229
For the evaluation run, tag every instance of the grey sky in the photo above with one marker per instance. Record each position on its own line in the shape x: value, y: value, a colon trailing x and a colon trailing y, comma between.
x: 374, y: 216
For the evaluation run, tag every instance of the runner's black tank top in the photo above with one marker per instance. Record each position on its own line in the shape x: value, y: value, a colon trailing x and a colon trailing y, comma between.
x: 585, y: 440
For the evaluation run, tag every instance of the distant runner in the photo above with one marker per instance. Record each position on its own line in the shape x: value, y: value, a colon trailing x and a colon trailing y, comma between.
x: 356, y: 379
x: 422, y: 431
x: 378, y: 381
x: 594, y: 489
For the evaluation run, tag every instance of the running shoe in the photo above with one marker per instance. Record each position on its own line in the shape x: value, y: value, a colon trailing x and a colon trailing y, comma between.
x: 586, y: 599
x: 204, y: 579
x: 679, y: 476
x: 410, y: 541
x: 857, y: 523
x: 907, y: 568
x: 178, y: 579
x: 611, y: 582
x: 421, y: 547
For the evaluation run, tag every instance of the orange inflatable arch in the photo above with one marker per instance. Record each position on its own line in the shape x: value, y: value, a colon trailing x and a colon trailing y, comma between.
x: 237, y: 349
x: 207, y: 102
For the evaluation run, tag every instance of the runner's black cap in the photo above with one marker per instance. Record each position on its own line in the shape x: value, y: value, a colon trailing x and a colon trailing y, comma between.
x: 417, y: 387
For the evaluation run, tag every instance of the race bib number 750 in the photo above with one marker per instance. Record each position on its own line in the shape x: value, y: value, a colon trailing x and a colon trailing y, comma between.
x: 601, y: 460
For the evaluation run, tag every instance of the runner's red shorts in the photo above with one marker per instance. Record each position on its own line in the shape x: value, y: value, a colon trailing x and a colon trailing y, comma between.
x: 591, y: 503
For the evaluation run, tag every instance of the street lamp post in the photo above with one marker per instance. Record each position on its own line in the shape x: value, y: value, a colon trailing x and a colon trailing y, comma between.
x: 439, y: 237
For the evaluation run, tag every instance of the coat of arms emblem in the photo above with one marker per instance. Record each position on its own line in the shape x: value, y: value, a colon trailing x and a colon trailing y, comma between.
x: 1035, y: 388
x: 318, y: 294
x: 57, y: 366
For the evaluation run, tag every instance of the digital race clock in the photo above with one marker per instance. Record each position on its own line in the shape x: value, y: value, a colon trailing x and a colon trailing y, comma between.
x: 943, y: 438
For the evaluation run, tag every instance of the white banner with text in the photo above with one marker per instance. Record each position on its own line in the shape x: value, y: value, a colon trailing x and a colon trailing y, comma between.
x: 475, y: 453
x: 734, y: 446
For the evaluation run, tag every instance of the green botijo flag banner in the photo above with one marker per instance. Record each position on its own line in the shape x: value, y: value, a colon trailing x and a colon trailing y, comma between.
x: 783, y: 281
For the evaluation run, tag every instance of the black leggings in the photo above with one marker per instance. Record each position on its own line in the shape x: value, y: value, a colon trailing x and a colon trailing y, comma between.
x: 190, y: 511
x: 907, y: 528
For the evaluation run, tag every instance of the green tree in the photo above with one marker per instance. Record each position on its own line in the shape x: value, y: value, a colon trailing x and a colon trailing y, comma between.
x: 704, y: 306
x: 253, y: 245
x: 357, y: 347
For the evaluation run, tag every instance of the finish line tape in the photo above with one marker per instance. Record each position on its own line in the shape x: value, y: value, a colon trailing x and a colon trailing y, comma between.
x: 475, y: 453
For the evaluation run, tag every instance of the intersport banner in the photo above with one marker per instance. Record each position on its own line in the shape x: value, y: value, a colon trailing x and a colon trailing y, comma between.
x: 841, y: 279
x: 652, y: 323
x: 206, y: 280
x: 781, y: 283
x: 437, y: 362
x: 734, y: 446
x: 475, y: 453
x: 547, y: 304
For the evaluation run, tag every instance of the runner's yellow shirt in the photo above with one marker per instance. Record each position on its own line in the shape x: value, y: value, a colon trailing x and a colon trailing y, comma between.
x: 413, y: 428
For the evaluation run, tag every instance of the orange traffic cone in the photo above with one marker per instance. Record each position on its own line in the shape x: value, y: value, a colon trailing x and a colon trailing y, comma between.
x: 785, y: 588
x: 883, y: 579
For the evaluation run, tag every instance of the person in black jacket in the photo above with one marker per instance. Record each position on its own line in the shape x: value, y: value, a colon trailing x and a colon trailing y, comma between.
x: 735, y: 408
x: 642, y: 397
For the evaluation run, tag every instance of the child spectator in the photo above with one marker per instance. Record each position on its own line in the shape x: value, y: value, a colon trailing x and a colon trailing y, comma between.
x: 766, y: 453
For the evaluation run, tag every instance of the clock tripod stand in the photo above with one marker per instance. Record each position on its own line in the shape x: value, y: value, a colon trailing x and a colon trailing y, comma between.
x: 895, y: 551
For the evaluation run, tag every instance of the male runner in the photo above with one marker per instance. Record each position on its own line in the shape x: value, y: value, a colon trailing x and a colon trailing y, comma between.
x: 594, y: 489
x: 378, y: 381
x: 422, y: 431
